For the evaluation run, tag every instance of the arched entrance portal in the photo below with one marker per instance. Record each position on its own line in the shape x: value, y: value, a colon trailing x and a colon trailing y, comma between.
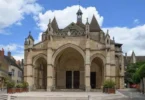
x: 69, y: 66
x: 96, y: 73
x: 40, y: 74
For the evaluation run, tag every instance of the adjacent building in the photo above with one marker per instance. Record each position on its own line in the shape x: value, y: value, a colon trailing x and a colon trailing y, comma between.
x: 79, y: 56
x: 3, y: 68
x: 10, y: 68
x: 132, y: 59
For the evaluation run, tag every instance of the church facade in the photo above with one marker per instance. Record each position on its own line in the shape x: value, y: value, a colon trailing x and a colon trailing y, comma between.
x: 79, y: 56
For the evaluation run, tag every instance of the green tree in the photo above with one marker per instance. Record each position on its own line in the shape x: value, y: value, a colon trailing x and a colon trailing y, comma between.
x: 140, y: 74
x: 131, y: 75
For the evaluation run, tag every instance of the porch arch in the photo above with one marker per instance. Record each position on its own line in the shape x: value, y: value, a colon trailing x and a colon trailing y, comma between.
x: 69, y: 45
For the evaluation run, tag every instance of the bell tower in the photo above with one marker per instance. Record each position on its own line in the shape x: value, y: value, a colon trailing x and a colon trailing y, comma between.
x: 79, y: 15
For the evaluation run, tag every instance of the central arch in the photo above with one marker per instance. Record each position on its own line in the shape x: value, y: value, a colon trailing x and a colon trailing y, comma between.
x: 69, y: 69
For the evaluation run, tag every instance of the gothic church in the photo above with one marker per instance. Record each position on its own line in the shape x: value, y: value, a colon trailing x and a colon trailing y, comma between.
x: 79, y: 56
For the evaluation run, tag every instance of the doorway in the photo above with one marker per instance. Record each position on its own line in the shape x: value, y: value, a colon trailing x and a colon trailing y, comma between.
x: 93, y: 80
x: 72, y: 79
x: 68, y: 79
x: 76, y: 79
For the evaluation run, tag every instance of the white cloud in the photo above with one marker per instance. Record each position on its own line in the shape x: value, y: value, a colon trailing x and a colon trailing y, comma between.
x: 66, y: 16
x: 133, y: 39
x: 39, y: 38
x: 11, y: 47
x: 17, y: 50
x: 19, y: 56
x: 13, y: 11
x: 136, y: 21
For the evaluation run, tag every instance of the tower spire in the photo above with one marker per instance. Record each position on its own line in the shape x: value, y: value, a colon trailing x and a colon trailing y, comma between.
x: 79, y: 4
x: 79, y: 15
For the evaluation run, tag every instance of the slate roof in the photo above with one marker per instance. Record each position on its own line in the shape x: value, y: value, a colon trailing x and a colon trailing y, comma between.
x: 55, y: 25
x: 30, y: 36
x: 11, y: 61
x: 74, y: 29
x: 138, y: 59
x: 81, y: 25
x: 79, y: 12
x: 94, y: 26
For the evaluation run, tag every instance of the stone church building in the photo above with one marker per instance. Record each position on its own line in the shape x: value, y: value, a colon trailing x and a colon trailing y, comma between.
x: 79, y: 56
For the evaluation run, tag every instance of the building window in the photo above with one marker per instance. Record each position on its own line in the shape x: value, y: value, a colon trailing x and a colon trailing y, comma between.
x: 19, y: 74
x: 13, y: 72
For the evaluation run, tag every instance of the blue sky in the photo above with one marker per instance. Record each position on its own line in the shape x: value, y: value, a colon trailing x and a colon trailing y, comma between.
x: 125, y: 20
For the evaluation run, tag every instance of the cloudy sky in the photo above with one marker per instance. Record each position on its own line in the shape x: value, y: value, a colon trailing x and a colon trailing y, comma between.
x: 125, y: 20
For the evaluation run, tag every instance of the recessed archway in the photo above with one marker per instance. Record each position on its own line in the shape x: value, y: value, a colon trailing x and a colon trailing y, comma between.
x: 40, y: 73
x: 96, y: 73
x: 69, y: 69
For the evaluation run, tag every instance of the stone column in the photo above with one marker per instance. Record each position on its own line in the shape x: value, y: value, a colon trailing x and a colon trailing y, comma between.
x: 107, y: 66
x: 49, y: 69
x: 54, y: 77
x: 122, y: 72
x: 87, y: 66
x: 28, y: 72
x: 28, y: 76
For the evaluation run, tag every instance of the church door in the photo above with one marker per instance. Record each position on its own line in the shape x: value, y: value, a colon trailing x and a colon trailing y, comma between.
x: 68, y: 79
x: 93, y: 80
x: 76, y: 79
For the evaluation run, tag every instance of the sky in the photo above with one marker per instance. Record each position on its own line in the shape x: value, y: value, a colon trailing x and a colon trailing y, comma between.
x: 125, y: 20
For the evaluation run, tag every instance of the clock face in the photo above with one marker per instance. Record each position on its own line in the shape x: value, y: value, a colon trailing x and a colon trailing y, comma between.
x: 79, y: 16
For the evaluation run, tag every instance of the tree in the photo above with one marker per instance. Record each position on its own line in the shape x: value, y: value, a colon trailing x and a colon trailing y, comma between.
x: 132, y: 75
x: 140, y: 74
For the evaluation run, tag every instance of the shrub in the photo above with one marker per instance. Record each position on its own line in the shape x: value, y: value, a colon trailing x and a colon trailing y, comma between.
x: 109, y: 84
x: 25, y: 84
x: 10, y: 84
x: 19, y: 85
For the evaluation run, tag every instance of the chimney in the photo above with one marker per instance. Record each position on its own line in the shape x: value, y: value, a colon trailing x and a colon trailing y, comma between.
x: 18, y: 62
x: 2, y: 52
x: 9, y: 54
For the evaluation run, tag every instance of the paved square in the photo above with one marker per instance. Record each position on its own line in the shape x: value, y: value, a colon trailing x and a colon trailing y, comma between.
x: 65, y: 96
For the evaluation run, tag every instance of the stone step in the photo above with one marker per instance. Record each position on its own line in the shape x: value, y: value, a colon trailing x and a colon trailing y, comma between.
x: 68, y: 90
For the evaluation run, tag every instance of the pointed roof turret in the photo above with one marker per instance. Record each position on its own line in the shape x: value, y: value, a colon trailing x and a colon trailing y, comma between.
x: 54, y: 25
x: 30, y: 36
x: 87, y: 22
x: 94, y: 26
x: 107, y: 33
x: 79, y: 12
x: 133, y: 54
x: 133, y: 57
